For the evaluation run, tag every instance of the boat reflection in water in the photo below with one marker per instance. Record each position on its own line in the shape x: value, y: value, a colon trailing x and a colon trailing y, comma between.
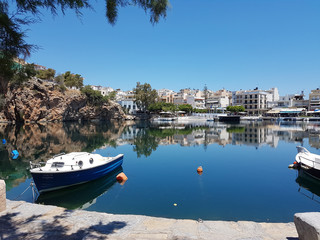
x: 81, y: 196
x: 309, y: 186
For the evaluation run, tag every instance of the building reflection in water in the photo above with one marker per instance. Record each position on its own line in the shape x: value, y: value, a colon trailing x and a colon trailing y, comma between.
x: 39, y: 142
x: 255, y: 135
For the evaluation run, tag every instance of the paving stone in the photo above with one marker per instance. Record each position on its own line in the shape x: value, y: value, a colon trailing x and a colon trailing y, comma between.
x: 308, y: 225
x: 3, y: 201
x: 23, y: 220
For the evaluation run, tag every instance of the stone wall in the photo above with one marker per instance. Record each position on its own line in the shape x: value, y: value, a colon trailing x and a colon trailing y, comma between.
x: 2, y: 195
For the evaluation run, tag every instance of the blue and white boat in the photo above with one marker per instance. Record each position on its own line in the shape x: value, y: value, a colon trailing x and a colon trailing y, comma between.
x: 70, y: 169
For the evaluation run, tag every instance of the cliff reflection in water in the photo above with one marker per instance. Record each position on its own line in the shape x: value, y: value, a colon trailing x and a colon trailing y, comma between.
x: 36, y: 142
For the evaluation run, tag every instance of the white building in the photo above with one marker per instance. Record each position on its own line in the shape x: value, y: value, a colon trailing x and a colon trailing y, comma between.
x: 255, y: 101
x: 219, y: 99
x: 314, y: 100
x: 127, y: 101
x: 105, y: 91
x: 292, y: 100
x: 166, y: 95
x: 196, y: 102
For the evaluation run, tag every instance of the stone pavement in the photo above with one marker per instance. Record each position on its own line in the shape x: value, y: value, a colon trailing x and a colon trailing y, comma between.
x: 23, y: 220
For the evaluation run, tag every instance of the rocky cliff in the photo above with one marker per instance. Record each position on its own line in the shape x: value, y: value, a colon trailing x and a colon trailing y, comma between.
x: 39, y: 101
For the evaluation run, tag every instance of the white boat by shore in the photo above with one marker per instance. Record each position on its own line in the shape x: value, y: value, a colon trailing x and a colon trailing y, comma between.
x: 308, y: 162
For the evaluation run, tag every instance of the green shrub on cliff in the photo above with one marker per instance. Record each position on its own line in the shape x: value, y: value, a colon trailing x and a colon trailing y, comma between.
x: 72, y: 80
x: 46, y: 74
x: 94, y: 97
x: 22, y: 74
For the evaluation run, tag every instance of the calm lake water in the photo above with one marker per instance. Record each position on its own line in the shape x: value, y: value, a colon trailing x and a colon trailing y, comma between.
x: 245, y: 168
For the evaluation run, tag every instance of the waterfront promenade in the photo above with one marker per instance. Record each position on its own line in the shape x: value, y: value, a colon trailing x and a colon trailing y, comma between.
x: 22, y: 220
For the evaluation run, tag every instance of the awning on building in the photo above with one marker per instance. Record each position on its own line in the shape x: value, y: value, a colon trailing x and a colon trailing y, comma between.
x: 273, y: 111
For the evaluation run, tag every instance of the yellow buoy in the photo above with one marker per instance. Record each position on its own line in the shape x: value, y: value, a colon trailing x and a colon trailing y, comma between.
x: 175, y: 204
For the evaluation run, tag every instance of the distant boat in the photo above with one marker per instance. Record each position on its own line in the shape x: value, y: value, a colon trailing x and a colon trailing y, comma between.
x: 164, y: 119
x: 70, y: 169
x: 308, y: 162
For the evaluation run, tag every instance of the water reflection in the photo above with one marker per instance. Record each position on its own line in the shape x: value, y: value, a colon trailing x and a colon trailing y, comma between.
x: 38, y: 142
x: 151, y: 148
x: 80, y: 196
x: 309, y: 187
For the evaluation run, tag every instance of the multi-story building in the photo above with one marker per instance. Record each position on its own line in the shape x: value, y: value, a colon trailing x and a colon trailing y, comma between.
x: 292, y: 100
x: 196, y: 102
x: 314, y: 100
x: 180, y: 98
x: 219, y: 99
x: 127, y: 101
x: 166, y: 95
x: 272, y: 97
x: 255, y: 101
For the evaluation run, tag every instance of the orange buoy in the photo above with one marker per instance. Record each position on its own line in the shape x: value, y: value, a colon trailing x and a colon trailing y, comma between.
x: 295, y: 162
x: 200, y: 170
x: 121, y: 178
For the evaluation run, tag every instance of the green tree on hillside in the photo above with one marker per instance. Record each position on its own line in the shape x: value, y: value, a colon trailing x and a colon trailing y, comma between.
x: 94, y: 97
x: 144, y: 95
x: 112, y: 95
x: 72, y: 80
x: 46, y: 74
x: 59, y: 79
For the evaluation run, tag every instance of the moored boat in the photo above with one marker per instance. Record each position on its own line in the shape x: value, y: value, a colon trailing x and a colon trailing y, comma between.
x: 308, y: 162
x: 70, y: 169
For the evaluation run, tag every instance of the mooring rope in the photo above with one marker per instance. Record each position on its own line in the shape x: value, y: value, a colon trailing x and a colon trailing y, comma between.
x: 22, y: 193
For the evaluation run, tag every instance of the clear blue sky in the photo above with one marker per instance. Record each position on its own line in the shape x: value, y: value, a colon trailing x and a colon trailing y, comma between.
x: 231, y: 44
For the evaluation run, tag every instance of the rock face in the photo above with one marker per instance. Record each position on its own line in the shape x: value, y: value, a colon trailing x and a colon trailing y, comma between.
x: 308, y: 225
x: 39, y: 101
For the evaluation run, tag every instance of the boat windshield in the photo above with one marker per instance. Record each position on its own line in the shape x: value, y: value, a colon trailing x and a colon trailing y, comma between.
x: 57, y: 165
